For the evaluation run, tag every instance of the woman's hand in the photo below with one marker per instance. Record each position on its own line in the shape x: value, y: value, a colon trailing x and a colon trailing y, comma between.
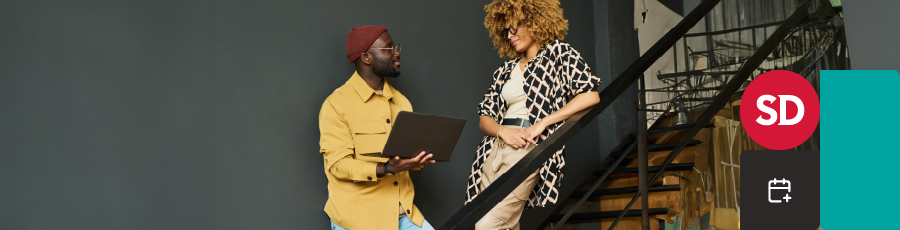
x: 580, y: 102
x: 512, y: 138
x: 532, y: 133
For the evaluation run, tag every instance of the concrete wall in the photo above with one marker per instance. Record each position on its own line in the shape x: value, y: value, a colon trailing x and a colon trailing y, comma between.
x: 203, y: 114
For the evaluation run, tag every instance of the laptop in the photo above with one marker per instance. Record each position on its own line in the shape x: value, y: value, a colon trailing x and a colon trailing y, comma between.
x: 413, y: 133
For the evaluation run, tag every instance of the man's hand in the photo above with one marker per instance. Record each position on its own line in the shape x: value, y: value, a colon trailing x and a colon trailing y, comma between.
x: 397, y: 164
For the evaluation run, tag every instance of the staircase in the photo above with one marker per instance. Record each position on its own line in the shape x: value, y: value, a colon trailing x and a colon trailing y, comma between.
x: 694, y: 89
x: 606, y: 203
x: 648, y: 164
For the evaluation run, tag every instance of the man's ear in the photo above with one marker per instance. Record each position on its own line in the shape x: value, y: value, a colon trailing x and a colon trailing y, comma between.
x: 366, y: 58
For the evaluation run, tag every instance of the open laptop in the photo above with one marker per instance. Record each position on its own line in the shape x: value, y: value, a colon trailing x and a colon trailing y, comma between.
x: 413, y: 133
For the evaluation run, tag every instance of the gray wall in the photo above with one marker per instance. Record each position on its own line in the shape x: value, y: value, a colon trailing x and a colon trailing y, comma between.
x: 203, y: 114
x: 871, y: 34
x: 107, y: 115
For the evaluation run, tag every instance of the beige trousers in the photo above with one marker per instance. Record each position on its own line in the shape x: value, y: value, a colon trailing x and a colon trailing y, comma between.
x: 507, y: 213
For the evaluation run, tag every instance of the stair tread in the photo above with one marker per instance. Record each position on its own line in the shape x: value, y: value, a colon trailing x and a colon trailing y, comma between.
x: 609, y: 214
x: 697, y: 99
x: 627, y: 190
x: 695, y: 72
x: 658, y: 147
x: 676, y: 128
x: 671, y: 167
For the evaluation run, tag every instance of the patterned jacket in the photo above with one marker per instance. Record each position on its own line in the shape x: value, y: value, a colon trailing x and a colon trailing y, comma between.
x: 552, y: 78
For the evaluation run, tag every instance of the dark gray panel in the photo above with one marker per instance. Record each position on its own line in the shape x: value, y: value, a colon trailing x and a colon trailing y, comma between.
x: 106, y: 115
x: 871, y: 35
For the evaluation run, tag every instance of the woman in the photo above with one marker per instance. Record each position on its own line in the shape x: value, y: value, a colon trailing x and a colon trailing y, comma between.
x: 531, y: 96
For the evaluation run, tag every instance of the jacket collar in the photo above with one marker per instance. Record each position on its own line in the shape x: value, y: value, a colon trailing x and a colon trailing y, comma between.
x: 365, y: 92
x: 541, y: 54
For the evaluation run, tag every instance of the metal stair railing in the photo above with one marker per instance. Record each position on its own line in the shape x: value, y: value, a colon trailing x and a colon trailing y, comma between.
x: 811, y: 9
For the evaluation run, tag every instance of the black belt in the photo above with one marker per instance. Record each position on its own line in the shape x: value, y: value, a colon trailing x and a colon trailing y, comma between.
x: 517, y: 122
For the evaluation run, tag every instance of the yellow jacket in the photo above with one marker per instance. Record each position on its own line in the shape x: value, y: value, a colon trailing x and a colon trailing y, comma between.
x: 355, y: 120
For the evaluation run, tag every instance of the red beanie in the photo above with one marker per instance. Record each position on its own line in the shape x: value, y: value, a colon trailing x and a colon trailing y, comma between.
x: 359, y: 40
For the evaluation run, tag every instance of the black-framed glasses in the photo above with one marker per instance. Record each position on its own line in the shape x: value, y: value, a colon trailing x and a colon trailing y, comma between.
x: 394, y: 50
x: 509, y: 31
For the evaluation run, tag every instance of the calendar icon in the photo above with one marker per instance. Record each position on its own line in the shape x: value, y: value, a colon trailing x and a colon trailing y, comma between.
x: 782, y: 184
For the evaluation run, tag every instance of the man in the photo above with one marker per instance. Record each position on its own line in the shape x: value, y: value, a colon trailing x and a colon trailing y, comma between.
x: 368, y: 191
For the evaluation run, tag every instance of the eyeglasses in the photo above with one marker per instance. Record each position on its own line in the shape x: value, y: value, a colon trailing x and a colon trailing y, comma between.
x: 509, y: 31
x: 394, y: 50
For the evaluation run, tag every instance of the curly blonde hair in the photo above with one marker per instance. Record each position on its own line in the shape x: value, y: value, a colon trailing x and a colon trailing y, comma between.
x: 542, y: 18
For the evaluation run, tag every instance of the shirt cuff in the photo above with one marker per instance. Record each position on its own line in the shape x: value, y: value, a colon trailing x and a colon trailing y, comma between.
x: 368, y: 172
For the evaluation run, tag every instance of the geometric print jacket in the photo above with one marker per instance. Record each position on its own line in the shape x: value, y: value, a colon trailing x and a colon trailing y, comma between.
x: 552, y: 78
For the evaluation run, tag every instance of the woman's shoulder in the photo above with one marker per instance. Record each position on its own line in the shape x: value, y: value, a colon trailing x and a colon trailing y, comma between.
x: 558, y: 47
x: 509, y: 64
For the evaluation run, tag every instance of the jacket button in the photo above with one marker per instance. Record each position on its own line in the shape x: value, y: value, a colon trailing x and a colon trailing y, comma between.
x: 395, y: 183
x: 370, y: 178
x: 407, y: 212
x: 388, y: 121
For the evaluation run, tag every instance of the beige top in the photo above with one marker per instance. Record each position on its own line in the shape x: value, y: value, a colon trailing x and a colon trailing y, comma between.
x: 514, y: 94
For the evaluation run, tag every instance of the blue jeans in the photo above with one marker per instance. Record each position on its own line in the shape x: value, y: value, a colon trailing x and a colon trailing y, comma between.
x: 405, y: 224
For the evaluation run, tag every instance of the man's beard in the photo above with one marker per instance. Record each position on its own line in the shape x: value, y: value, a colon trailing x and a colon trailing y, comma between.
x: 385, y: 69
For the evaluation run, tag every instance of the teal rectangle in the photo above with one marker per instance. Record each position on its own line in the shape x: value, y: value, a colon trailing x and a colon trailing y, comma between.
x: 859, y: 152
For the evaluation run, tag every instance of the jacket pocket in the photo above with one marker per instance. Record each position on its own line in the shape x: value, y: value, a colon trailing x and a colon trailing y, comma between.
x: 368, y: 137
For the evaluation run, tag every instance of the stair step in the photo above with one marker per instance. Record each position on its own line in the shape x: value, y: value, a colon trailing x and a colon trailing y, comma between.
x: 657, y: 147
x: 671, y: 167
x: 609, y: 214
x: 678, y: 100
x: 695, y: 72
x: 696, y: 99
x: 627, y: 190
x: 676, y: 128
x: 672, y: 90
x: 654, y: 110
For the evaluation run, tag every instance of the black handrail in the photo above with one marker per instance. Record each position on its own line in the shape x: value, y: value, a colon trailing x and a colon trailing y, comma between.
x: 732, y: 30
x: 471, y: 213
x: 800, y: 15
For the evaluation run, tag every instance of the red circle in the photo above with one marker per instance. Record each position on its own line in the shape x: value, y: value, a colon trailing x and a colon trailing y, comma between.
x: 778, y: 133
